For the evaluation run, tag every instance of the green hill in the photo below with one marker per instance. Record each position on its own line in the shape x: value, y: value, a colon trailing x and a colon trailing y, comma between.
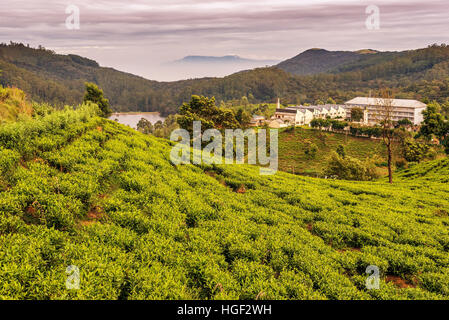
x: 59, y: 79
x: 430, y: 171
x: 293, y: 146
x: 84, y: 191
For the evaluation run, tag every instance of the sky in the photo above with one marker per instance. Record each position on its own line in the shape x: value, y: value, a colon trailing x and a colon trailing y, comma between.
x: 142, y: 37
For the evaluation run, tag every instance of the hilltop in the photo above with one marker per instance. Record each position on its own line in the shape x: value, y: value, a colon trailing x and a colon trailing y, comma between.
x: 80, y: 190
x: 316, y: 60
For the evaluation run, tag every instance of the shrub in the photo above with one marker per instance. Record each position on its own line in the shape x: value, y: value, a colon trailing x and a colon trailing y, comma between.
x: 415, y: 151
x: 311, y: 150
x: 349, y: 168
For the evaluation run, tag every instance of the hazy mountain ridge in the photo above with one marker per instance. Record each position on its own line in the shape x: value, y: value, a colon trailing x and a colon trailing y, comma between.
x: 223, y: 59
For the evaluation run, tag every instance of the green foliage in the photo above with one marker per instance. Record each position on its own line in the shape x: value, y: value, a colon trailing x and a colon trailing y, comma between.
x: 145, y: 126
x: 341, y: 151
x: 430, y: 171
x: 13, y: 104
x: 404, y: 123
x: 293, y: 143
x: 434, y: 122
x: 95, y: 95
x: 369, y: 132
x: 320, y: 123
x: 311, y: 150
x: 42, y: 109
x: 330, y: 101
x: 415, y: 151
x: 106, y: 198
x: 357, y: 114
x: 204, y: 109
x: 349, y: 168
x: 243, y: 117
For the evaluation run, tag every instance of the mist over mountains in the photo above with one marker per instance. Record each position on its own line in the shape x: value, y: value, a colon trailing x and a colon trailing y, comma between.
x: 197, y: 66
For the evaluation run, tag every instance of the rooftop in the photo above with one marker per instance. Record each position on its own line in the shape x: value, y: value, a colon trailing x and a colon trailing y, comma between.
x: 405, y: 103
x: 286, y: 110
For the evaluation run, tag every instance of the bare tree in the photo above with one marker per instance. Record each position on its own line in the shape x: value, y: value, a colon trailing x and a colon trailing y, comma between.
x: 384, y: 116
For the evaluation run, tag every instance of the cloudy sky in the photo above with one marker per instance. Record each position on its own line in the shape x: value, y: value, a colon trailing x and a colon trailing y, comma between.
x: 141, y: 36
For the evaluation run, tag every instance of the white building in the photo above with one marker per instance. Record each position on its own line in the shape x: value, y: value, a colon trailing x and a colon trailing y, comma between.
x: 294, y: 116
x: 303, y: 115
x: 336, y: 111
x: 401, y: 109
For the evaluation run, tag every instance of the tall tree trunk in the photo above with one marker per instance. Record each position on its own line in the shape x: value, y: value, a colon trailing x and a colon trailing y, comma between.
x: 390, y: 160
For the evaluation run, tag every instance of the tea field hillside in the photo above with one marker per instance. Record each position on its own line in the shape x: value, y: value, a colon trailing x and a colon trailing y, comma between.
x: 430, y: 171
x: 295, y: 158
x: 79, y: 190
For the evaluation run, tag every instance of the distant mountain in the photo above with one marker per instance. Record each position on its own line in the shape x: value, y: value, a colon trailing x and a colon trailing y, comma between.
x: 210, y: 66
x: 224, y: 59
x: 316, y: 61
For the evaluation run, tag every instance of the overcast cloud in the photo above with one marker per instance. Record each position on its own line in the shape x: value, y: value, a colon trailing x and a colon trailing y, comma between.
x: 140, y: 36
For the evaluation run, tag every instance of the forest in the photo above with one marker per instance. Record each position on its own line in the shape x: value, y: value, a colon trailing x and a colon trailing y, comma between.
x: 421, y: 74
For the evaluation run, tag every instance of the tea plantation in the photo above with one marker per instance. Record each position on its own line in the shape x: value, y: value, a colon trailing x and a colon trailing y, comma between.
x: 80, y: 190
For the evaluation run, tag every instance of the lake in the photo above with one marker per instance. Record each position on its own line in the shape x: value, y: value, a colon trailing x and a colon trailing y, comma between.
x: 131, y: 119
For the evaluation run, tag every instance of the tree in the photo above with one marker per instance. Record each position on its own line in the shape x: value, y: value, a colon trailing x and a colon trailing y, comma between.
x: 311, y: 150
x: 405, y: 123
x: 330, y: 101
x: 243, y: 117
x: 415, y: 151
x: 338, y: 125
x: 384, y: 114
x: 203, y: 109
x: 341, y: 151
x: 145, y: 126
x: 95, y: 95
x: 244, y: 101
x: 434, y: 123
x: 349, y: 168
x: 357, y: 114
x: 321, y: 123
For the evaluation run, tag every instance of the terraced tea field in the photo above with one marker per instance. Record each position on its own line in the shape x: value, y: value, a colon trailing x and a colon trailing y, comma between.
x: 84, y: 191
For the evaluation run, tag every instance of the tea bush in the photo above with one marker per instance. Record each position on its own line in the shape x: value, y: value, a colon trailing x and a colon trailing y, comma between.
x: 84, y: 191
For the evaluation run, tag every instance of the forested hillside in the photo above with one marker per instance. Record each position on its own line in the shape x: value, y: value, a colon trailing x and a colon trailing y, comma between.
x: 420, y: 74
x: 315, y: 61
x: 76, y: 189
